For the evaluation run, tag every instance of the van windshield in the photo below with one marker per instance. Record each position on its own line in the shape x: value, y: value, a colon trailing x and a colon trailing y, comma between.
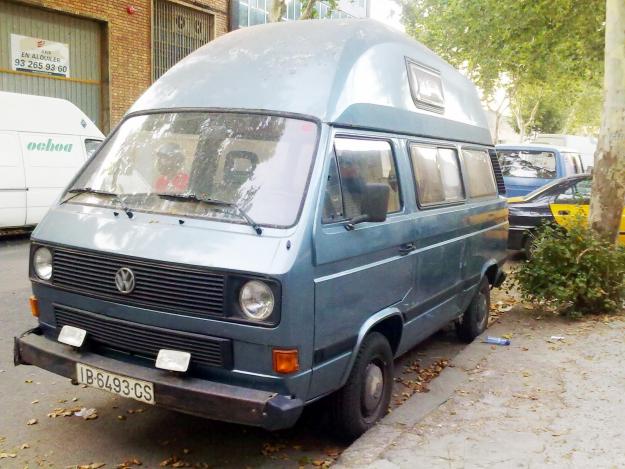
x: 258, y: 163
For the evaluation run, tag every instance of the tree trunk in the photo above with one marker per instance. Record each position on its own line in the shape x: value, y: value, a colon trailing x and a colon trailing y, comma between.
x: 278, y: 8
x: 608, y: 186
x: 308, y: 10
x: 520, y: 123
x: 498, y: 111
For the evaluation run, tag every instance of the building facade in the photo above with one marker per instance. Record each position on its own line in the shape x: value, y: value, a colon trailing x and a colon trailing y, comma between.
x: 252, y: 12
x: 100, y: 54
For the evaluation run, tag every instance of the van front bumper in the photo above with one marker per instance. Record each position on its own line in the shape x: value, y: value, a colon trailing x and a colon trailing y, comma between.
x: 218, y: 401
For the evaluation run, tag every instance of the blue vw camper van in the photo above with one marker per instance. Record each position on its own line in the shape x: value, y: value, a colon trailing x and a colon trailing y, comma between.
x: 280, y: 215
x: 526, y: 167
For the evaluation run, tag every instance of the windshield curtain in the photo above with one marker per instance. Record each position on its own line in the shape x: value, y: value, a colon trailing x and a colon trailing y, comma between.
x: 259, y: 163
x: 527, y: 163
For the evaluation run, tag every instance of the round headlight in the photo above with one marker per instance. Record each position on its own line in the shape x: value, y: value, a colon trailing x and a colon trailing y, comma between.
x: 42, y: 263
x: 256, y: 300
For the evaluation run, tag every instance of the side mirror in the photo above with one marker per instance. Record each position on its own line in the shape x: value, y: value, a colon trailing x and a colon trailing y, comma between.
x: 374, y: 205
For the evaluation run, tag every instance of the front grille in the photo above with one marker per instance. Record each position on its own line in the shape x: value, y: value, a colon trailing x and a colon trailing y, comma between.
x: 145, y: 340
x: 157, y: 285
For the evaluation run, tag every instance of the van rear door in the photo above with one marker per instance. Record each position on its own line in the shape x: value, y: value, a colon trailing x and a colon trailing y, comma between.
x: 12, y: 183
x: 50, y: 162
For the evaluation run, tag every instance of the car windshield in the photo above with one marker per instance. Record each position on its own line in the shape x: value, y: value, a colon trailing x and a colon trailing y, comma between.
x: 527, y: 163
x: 256, y: 163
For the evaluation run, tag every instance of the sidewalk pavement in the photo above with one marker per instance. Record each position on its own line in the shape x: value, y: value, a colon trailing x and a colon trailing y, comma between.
x: 554, y: 398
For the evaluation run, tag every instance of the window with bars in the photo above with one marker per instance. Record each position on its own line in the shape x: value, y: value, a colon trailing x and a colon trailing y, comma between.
x: 252, y: 12
x: 177, y: 30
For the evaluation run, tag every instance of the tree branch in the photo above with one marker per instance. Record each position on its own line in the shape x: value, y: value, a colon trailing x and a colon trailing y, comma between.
x: 308, y: 9
x: 278, y: 7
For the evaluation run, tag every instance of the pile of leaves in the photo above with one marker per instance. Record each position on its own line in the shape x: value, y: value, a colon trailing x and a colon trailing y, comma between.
x: 574, y: 272
x: 422, y: 377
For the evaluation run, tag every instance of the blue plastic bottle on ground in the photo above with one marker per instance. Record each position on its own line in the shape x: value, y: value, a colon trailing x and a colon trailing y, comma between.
x: 497, y: 341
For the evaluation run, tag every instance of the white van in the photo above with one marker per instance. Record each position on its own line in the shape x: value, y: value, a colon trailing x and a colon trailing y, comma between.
x: 585, y: 146
x: 43, y: 143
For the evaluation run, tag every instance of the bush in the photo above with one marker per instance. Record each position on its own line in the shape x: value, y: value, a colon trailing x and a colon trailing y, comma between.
x: 574, y: 272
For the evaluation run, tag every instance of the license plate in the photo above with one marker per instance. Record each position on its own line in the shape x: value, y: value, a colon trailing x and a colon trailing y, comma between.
x: 127, y: 387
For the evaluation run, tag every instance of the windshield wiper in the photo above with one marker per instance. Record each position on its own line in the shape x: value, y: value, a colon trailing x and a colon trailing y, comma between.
x: 197, y: 198
x: 89, y: 190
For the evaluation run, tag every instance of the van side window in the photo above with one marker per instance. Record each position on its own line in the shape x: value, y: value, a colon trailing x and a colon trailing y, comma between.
x: 361, y: 162
x: 333, y: 199
x: 437, y: 174
x: 573, y: 163
x: 480, y: 174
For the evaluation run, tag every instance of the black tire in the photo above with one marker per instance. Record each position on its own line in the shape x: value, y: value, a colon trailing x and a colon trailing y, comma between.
x: 528, y: 246
x: 475, y: 319
x: 351, y: 412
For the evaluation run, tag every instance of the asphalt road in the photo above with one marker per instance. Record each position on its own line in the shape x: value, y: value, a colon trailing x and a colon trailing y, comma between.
x: 124, y: 429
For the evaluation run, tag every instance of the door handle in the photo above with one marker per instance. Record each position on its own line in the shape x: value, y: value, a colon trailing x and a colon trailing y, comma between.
x: 564, y: 212
x: 407, y: 248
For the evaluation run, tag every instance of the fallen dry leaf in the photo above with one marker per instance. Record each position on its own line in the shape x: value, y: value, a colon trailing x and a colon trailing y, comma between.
x: 7, y: 455
x: 129, y: 464
x: 25, y: 446
x: 63, y: 412
x: 32, y: 422
x: 269, y: 449
x: 181, y: 464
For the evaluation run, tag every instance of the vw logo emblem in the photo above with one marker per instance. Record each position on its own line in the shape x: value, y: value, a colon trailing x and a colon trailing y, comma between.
x: 125, y: 280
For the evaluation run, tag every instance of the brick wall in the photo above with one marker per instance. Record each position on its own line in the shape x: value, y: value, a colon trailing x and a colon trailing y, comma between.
x: 129, y: 43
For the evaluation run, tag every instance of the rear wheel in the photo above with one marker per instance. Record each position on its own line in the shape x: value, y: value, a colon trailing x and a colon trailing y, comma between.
x: 475, y: 319
x: 365, y: 397
x: 528, y: 246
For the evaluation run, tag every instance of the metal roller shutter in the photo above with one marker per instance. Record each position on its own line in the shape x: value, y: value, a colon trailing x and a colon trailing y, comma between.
x: 83, y: 38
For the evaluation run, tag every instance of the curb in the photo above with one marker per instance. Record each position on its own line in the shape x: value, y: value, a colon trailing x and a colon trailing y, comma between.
x: 368, y: 450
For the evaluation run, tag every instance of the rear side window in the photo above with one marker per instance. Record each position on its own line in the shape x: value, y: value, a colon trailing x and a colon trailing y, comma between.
x: 437, y: 174
x: 573, y: 163
x: 577, y: 193
x: 358, y: 162
x: 480, y: 176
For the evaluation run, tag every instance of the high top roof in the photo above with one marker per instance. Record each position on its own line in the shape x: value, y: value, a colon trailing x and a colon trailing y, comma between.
x: 345, y: 72
x: 31, y: 113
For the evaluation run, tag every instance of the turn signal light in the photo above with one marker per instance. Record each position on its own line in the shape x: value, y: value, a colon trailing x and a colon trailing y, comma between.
x: 285, y: 361
x: 34, y: 306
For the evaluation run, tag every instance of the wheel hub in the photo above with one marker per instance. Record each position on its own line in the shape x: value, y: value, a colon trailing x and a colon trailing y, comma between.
x: 374, y: 387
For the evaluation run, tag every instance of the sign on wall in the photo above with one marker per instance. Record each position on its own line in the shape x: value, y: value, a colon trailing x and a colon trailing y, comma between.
x: 31, y: 54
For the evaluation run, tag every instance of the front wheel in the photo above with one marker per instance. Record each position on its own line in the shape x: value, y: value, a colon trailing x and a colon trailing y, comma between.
x: 475, y: 319
x: 365, y: 397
